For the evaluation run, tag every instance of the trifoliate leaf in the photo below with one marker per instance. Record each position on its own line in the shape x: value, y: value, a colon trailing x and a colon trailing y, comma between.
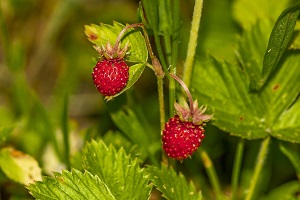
x: 122, y: 175
x: 173, y: 185
x: 137, y: 54
x: 224, y: 88
x: 73, y: 185
x: 19, y: 167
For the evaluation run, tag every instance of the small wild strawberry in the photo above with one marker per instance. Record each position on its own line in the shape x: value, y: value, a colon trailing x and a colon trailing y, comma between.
x: 184, y: 132
x: 181, y: 139
x: 110, y: 76
x: 111, y: 73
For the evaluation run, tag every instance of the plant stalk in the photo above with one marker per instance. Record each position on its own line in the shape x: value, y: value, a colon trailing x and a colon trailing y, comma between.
x: 175, y: 44
x: 161, y: 101
x: 211, y: 172
x: 188, y: 65
x: 237, y: 168
x: 260, y: 162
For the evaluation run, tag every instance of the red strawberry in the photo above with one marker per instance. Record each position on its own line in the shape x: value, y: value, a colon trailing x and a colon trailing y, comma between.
x: 111, y: 73
x: 181, y: 139
x: 184, y: 132
x: 110, y: 76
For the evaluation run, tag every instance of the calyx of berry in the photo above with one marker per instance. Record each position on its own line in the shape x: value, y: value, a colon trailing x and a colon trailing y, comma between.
x: 196, y: 115
x: 190, y: 113
x: 110, y: 52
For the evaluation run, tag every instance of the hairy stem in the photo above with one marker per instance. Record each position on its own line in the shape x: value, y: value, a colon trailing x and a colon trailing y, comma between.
x: 188, y: 65
x: 237, y: 167
x: 260, y: 162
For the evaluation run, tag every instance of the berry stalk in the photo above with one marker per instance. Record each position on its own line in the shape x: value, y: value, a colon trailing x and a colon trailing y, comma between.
x: 186, y: 90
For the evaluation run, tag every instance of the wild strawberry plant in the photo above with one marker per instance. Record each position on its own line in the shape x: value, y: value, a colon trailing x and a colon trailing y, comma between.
x: 242, y: 143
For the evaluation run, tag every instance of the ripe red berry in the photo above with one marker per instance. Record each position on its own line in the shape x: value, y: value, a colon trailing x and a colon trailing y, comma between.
x: 110, y: 76
x: 181, y: 139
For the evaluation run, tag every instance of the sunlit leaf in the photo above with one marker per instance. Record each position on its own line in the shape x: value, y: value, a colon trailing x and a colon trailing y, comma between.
x: 122, y: 175
x: 71, y: 185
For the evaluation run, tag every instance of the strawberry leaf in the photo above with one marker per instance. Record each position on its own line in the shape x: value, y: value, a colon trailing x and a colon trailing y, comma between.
x: 19, y: 167
x: 122, y: 175
x: 272, y: 110
x: 173, y: 185
x: 101, y: 35
x: 71, y: 185
x: 245, y: 114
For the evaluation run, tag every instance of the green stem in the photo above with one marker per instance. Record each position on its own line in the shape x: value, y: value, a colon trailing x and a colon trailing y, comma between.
x: 237, y: 168
x: 260, y: 162
x: 161, y: 55
x: 175, y: 44
x: 188, y: 65
x: 161, y: 101
x: 211, y: 172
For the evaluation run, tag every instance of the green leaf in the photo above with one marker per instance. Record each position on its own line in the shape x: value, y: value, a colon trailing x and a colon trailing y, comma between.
x: 128, y: 122
x: 278, y: 42
x: 223, y: 87
x: 165, y: 17
x: 173, y: 185
x: 286, y: 191
x: 118, y: 140
x: 122, y: 175
x: 104, y: 33
x: 293, y: 156
x: 137, y: 54
x: 5, y: 132
x: 151, y: 12
x: 252, y: 46
x: 19, y: 167
x: 247, y: 13
x: 71, y: 185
